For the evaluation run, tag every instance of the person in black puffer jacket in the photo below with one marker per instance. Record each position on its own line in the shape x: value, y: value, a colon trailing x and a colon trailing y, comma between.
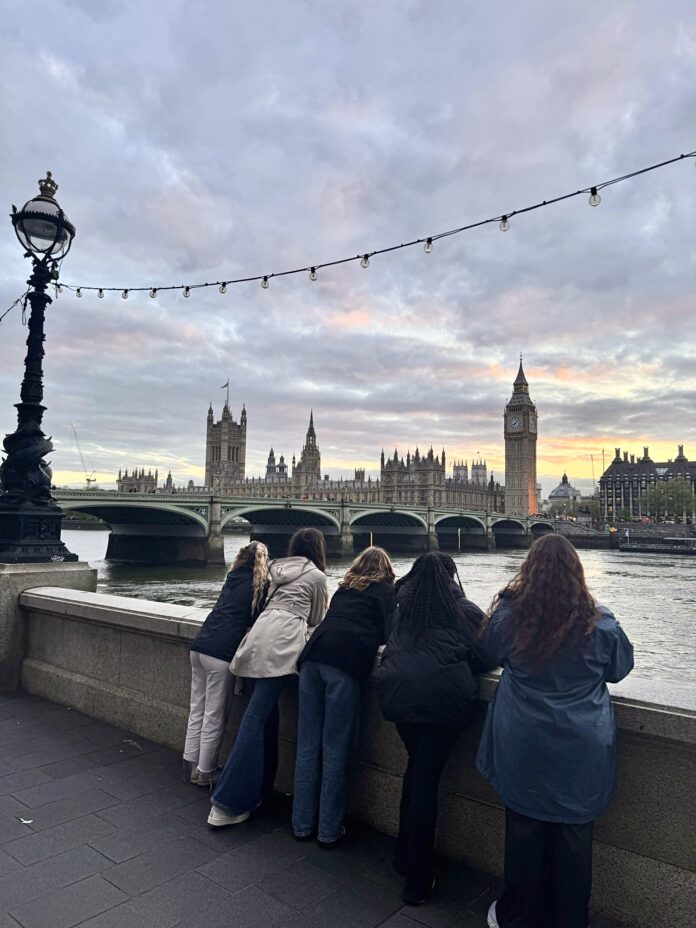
x: 427, y: 688
x: 240, y: 602
x: 338, y: 657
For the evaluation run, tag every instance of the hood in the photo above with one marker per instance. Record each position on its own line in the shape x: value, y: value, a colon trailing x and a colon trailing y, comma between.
x: 287, y: 569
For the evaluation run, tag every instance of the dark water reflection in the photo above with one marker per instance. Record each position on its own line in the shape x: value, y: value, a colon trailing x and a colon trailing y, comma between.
x: 654, y: 596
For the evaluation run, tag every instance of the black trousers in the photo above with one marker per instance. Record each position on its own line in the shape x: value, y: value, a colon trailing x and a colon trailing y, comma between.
x: 548, y: 874
x: 428, y: 748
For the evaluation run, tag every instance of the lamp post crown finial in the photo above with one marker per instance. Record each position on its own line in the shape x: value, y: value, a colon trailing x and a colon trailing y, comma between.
x: 47, y: 186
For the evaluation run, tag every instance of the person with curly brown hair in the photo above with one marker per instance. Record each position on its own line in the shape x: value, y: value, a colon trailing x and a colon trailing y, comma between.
x: 548, y: 744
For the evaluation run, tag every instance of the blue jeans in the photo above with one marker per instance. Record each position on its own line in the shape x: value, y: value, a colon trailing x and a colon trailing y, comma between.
x: 328, y: 713
x: 251, y: 766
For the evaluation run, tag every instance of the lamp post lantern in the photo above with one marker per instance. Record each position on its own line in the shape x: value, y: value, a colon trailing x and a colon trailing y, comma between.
x: 30, y: 518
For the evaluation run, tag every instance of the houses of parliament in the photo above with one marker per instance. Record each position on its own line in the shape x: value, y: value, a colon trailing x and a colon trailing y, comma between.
x: 419, y: 479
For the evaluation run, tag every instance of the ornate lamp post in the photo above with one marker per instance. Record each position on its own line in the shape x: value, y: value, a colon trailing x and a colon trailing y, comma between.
x: 30, y: 518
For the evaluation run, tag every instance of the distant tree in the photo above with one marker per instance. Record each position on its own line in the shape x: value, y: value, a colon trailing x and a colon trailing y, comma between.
x: 624, y: 515
x: 668, y: 499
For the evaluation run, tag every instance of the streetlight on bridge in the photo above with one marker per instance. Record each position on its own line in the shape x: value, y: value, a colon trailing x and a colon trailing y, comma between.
x: 30, y: 518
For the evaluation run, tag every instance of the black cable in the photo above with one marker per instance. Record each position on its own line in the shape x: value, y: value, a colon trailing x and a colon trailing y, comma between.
x: 383, y: 251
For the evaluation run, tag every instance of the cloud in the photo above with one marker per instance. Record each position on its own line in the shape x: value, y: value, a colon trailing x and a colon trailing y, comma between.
x: 201, y: 142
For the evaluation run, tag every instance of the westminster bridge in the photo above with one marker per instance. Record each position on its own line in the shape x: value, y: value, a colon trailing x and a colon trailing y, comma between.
x: 188, y: 527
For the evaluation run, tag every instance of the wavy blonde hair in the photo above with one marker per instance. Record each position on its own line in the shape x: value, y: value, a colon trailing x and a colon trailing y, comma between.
x: 255, y: 556
x: 371, y: 566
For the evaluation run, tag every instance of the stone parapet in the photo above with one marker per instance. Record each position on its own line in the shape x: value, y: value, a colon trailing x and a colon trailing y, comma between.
x: 126, y: 661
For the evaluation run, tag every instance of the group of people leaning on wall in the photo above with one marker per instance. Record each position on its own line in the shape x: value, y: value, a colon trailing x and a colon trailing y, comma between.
x: 548, y: 742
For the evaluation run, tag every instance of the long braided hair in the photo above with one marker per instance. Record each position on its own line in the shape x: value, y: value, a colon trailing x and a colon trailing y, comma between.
x: 255, y: 556
x: 427, y: 600
x: 550, y: 603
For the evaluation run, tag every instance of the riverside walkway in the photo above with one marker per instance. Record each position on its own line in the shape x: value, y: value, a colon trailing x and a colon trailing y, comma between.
x: 97, y: 830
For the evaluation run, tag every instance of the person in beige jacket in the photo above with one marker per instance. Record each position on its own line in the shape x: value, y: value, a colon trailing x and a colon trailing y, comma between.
x: 297, y: 601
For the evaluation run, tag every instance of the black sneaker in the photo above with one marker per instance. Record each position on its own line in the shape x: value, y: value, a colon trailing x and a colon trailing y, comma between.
x: 418, y: 898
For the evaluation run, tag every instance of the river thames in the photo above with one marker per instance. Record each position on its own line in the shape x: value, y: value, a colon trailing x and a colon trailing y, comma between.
x: 653, y: 596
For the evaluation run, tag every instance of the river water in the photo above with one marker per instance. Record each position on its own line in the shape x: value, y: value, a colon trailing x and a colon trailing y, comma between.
x: 652, y: 595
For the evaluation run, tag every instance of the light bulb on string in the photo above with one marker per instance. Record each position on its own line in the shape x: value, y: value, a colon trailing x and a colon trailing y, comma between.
x: 100, y: 294
x: 124, y: 295
x: 153, y: 292
x: 187, y: 291
x: 223, y: 287
x: 595, y: 198
x: 78, y: 293
x: 504, y: 224
x: 60, y: 288
x: 312, y: 273
x: 364, y: 261
x: 264, y: 283
x: 428, y: 247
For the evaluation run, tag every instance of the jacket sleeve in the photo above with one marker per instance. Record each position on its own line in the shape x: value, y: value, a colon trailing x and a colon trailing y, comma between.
x: 388, y: 607
x: 487, y: 652
x: 621, y: 662
x: 320, y: 600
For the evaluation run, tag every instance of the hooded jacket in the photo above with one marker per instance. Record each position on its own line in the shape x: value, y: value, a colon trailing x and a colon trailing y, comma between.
x: 548, y: 745
x: 427, y: 679
x: 226, y: 625
x: 297, y: 600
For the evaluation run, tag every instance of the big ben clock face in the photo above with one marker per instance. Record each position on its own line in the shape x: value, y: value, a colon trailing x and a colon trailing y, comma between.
x: 515, y: 423
x: 532, y: 423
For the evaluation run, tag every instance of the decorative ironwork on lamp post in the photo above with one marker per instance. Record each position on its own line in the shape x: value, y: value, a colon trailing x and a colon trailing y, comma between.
x: 30, y: 518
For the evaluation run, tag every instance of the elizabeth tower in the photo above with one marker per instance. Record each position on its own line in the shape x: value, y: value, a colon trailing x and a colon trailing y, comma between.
x: 520, y: 450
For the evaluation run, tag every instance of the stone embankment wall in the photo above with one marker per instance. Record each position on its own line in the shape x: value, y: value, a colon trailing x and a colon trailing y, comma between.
x: 126, y: 661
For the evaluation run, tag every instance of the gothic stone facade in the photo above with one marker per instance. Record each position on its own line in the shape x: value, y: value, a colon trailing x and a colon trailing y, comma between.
x: 137, y: 482
x: 225, y: 448
x: 520, y: 423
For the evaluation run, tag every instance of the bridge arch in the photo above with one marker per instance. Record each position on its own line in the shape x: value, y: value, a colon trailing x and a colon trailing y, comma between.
x: 469, y: 523
x: 118, y: 512
x: 279, y: 514
x: 541, y: 528
x: 382, y: 519
x: 509, y: 526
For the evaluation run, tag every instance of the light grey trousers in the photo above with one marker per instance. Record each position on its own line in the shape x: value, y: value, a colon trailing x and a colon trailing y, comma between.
x: 211, y: 682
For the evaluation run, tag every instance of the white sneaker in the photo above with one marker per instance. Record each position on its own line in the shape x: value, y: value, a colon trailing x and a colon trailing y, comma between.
x: 492, y: 920
x: 218, y: 818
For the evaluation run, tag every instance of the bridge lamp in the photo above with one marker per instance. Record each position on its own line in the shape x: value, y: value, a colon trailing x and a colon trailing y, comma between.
x: 30, y: 518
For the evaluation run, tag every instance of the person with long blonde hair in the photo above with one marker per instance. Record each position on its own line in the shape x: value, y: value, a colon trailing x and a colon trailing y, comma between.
x: 238, y: 605
x: 548, y: 744
x: 337, y: 658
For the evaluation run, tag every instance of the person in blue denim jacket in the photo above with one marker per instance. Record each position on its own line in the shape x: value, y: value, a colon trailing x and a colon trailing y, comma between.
x: 548, y: 744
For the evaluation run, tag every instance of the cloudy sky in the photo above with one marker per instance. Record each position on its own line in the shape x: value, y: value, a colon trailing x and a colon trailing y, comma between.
x: 198, y: 140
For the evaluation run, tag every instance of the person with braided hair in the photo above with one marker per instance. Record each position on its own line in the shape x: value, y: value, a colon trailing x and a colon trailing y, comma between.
x: 427, y: 687
x: 548, y: 744
x: 238, y: 605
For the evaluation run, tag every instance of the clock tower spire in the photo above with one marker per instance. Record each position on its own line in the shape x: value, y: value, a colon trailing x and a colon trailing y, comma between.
x: 520, y: 421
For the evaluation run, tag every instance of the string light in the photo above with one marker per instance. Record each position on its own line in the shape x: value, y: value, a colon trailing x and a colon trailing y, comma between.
x: 60, y: 288
x: 364, y: 259
x: 78, y: 293
x: 153, y: 292
x: 124, y: 295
